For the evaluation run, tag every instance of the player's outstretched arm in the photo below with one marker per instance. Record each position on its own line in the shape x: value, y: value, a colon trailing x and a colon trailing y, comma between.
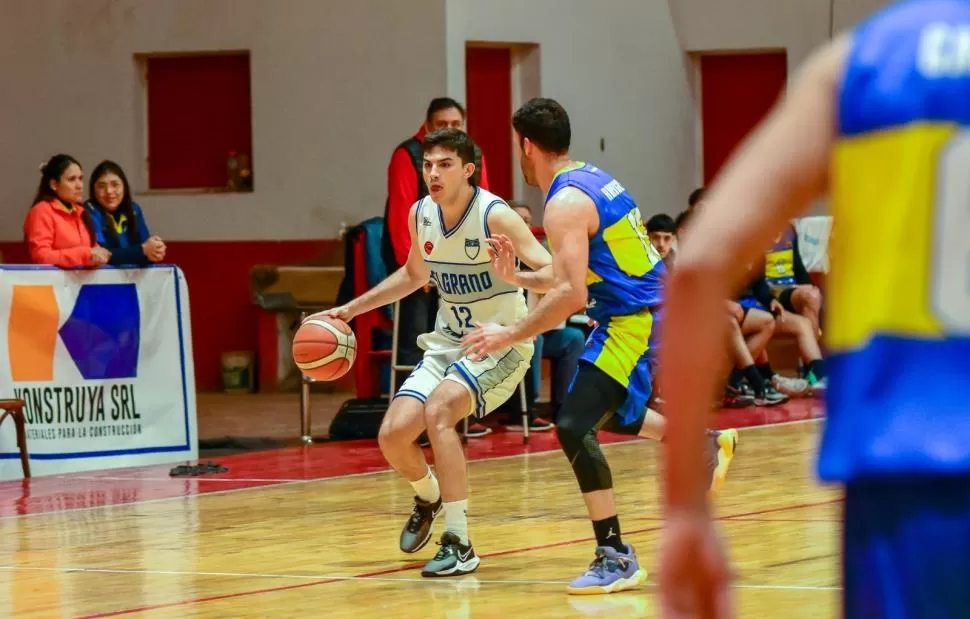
x: 774, y: 176
x: 512, y: 238
x: 568, y: 220
x: 399, y: 284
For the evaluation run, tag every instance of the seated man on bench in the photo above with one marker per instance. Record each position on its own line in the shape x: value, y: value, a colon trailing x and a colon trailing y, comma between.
x: 789, y: 280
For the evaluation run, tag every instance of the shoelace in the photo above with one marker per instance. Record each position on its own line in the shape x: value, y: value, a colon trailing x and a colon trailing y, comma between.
x: 414, y: 522
x: 602, y: 564
x: 447, y: 548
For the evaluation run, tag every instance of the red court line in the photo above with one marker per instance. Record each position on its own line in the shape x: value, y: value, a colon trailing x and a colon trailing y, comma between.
x: 786, y: 508
x: 764, y: 520
x: 318, y: 461
x: 415, y: 565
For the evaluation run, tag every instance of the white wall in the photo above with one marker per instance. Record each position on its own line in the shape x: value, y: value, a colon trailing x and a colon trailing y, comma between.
x: 797, y: 26
x: 848, y: 12
x: 718, y: 25
x: 617, y: 68
x: 335, y: 86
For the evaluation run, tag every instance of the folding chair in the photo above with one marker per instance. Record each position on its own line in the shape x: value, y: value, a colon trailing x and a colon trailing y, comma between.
x: 15, y: 410
x: 396, y: 367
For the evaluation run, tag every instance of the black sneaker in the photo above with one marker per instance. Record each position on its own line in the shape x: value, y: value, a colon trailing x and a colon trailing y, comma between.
x: 453, y: 559
x: 417, y: 531
x: 745, y: 388
x: 734, y: 398
x: 771, y: 397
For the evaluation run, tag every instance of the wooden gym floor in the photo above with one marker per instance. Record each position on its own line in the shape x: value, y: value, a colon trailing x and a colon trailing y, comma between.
x: 312, y: 532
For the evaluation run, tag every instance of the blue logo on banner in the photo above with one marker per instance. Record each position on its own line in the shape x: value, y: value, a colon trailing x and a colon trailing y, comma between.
x: 103, y: 332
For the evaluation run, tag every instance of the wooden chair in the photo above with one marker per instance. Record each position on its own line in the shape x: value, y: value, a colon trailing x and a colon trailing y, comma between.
x: 15, y: 409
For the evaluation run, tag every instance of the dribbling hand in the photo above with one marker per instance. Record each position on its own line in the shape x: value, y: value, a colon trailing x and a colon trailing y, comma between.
x: 341, y: 312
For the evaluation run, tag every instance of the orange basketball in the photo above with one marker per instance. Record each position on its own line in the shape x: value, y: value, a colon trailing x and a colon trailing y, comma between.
x: 324, y: 348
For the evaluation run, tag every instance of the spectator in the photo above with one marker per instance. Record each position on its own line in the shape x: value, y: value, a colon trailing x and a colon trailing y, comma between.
x: 405, y: 181
x: 696, y: 198
x: 694, y: 201
x: 662, y: 231
x: 748, y: 383
x: 58, y: 229
x: 789, y: 280
x: 119, y: 223
x: 405, y: 186
x: 759, y: 305
x: 562, y: 346
x: 747, y: 344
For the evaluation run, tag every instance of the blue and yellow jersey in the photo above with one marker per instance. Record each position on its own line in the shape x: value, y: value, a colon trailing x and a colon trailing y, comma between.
x: 898, y: 306
x: 625, y: 282
x: 780, y: 261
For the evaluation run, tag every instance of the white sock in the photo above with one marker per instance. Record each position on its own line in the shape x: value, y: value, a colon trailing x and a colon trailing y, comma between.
x: 456, y: 519
x: 427, y: 488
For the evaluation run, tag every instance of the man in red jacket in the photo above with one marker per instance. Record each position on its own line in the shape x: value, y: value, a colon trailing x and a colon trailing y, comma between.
x: 405, y: 186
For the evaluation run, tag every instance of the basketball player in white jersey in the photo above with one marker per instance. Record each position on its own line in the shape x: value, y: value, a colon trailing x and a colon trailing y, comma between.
x: 449, y: 232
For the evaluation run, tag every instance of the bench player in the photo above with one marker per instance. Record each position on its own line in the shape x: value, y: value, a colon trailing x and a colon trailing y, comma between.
x: 879, y: 120
x: 601, y: 252
x: 449, y: 229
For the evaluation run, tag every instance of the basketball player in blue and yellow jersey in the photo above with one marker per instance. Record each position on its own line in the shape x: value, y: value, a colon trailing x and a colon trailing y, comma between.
x: 600, y: 252
x: 878, y: 119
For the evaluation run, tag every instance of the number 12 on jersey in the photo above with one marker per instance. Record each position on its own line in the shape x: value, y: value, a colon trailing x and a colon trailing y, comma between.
x: 463, y: 315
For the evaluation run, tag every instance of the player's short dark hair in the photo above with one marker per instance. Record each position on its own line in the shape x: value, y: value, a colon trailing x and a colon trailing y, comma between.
x: 682, y: 220
x: 545, y: 123
x: 440, y: 104
x: 661, y: 223
x: 454, y: 140
x: 696, y: 196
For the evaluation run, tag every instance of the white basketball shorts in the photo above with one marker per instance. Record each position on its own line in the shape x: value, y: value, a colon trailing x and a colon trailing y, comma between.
x: 490, y: 382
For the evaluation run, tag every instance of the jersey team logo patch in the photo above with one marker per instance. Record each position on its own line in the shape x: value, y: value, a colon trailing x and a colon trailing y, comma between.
x: 428, y: 246
x: 472, y: 248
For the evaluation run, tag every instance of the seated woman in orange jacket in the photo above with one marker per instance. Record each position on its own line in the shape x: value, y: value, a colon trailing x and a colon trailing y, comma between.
x: 58, y: 230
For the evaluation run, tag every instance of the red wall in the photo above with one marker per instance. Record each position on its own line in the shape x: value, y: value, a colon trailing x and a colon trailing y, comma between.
x: 223, y: 317
x: 737, y: 90
x: 189, y: 138
x: 488, y: 98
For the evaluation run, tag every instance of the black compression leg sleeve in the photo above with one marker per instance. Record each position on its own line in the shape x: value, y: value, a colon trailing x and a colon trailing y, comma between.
x: 593, y: 398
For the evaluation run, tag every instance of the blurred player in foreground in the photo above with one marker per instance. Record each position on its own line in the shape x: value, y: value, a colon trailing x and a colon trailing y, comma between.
x: 877, y: 119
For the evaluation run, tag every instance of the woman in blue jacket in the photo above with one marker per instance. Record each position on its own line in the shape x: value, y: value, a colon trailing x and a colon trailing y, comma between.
x: 119, y: 221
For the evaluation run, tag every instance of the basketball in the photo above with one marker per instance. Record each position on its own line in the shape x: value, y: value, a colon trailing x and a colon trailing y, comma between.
x: 324, y: 348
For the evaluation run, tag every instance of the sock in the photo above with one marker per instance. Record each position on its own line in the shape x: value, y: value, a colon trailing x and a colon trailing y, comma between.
x: 756, y: 378
x: 766, y: 370
x: 456, y: 519
x: 608, y: 533
x: 735, y: 378
x: 427, y: 488
x: 817, y: 367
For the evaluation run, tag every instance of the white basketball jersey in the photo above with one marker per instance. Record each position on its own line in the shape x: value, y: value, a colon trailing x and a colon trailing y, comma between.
x: 468, y: 287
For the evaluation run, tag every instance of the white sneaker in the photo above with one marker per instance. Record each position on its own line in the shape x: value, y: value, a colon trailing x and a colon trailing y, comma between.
x: 794, y: 387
